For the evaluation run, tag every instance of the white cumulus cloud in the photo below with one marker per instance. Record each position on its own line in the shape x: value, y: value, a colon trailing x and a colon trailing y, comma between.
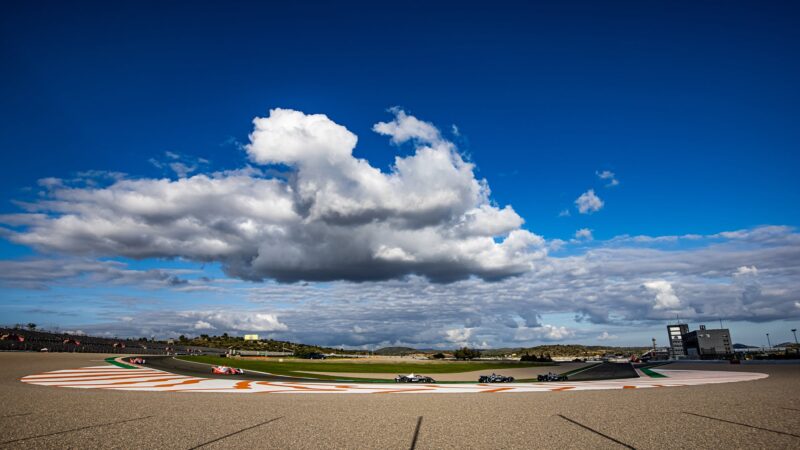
x: 404, y: 128
x: 235, y: 321
x: 604, y: 336
x: 589, y: 202
x: 665, y: 297
x: 458, y: 336
x: 543, y: 332
x: 332, y: 217
x: 609, y: 176
x: 203, y: 325
x: 745, y: 271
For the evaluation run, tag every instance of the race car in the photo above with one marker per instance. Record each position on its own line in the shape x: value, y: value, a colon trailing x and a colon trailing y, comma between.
x: 552, y: 377
x: 411, y: 378
x: 137, y: 360
x: 225, y: 370
x: 495, y: 378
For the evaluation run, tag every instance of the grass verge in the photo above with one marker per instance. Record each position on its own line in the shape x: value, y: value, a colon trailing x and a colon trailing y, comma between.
x: 114, y: 362
x: 652, y: 374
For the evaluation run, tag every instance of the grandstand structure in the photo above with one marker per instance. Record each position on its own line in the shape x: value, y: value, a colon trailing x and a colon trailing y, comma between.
x: 17, y: 339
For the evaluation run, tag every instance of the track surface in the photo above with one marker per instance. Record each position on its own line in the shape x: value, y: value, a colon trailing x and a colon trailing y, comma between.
x: 193, y: 369
x: 605, y: 371
x: 758, y: 414
x: 149, y: 379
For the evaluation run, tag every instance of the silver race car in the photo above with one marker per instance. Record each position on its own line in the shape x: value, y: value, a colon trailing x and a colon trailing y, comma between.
x: 411, y: 378
x: 495, y: 378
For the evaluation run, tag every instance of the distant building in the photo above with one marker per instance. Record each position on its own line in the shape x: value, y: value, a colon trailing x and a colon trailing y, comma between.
x: 708, y: 344
x: 675, y: 334
x: 250, y: 337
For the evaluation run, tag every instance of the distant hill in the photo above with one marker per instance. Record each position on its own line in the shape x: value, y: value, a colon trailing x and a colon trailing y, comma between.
x: 238, y: 343
x: 566, y: 350
x: 561, y: 350
x: 396, y: 351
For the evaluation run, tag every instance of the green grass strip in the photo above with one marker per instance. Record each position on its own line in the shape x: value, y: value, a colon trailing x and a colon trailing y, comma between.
x: 651, y: 373
x: 113, y: 361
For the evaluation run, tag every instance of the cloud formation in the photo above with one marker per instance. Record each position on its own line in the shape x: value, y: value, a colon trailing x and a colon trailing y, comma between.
x: 182, y: 165
x: 609, y: 176
x: 42, y: 273
x: 665, y: 297
x: 605, y: 336
x: 588, y: 202
x: 242, y: 321
x: 745, y: 271
x: 332, y: 217
x: 618, y: 285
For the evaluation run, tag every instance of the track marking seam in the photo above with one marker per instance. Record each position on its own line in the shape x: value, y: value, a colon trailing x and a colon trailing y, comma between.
x: 73, y: 429
x: 596, y: 432
x: 235, y: 433
x: 416, y: 433
x: 742, y: 424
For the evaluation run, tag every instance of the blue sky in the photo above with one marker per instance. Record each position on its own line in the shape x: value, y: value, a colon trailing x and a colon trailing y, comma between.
x: 693, y: 107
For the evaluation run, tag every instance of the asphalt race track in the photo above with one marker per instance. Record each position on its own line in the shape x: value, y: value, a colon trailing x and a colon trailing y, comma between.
x: 193, y: 369
x: 763, y: 413
x: 605, y: 371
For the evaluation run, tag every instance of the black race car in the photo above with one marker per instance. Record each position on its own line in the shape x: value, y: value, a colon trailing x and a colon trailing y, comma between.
x: 552, y: 377
x: 494, y: 378
x: 411, y: 378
